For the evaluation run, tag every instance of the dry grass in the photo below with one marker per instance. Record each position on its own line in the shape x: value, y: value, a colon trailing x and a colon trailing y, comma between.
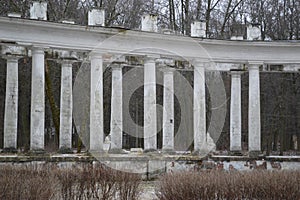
x: 46, y: 182
x: 230, y: 185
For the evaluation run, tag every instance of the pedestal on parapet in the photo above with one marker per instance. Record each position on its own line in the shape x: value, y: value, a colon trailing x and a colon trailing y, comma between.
x: 12, y: 54
x: 254, y: 123
x: 235, y: 113
x: 96, y: 103
x: 38, y: 10
x: 200, y: 137
x: 150, y: 119
x: 37, y: 119
x: 116, y: 122
x: 198, y: 29
x: 66, y: 102
x: 149, y: 23
x: 168, y: 109
x: 96, y: 17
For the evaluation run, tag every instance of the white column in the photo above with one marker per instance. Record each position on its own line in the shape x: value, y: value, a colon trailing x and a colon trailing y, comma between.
x: 150, y: 119
x: 96, y: 104
x: 37, y: 120
x: 66, y: 107
x: 168, y: 110
x: 254, y: 109
x: 116, y: 122
x: 235, y: 112
x: 11, y: 104
x: 199, y: 108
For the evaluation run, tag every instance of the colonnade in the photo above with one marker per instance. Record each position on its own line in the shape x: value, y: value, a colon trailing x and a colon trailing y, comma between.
x: 37, y: 113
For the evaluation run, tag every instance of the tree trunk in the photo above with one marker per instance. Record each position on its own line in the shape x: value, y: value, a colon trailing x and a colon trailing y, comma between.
x: 53, y: 106
x: 198, y: 13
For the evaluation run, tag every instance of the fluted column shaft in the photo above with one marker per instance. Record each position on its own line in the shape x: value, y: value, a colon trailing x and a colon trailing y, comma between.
x: 235, y: 112
x: 11, y: 104
x: 96, y: 104
x: 254, y: 123
x: 168, y: 109
x: 37, y: 120
x: 200, y: 139
x: 66, y: 107
x: 150, y: 119
x: 116, y: 123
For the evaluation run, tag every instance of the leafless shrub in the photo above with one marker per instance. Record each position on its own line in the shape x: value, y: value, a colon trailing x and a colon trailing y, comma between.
x: 88, y: 182
x: 230, y: 185
x: 25, y: 183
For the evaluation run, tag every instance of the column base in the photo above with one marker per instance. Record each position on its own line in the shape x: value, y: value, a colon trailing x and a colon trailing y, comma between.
x: 37, y: 152
x: 254, y: 154
x: 169, y: 151
x: 65, y: 151
x: 116, y: 151
x: 201, y: 153
x: 150, y: 151
x: 96, y: 152
x: 235, y: 153
x: 9, y: 150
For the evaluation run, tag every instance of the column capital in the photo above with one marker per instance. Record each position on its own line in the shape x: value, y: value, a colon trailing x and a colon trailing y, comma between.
x: 151, y: 58
x: 116, y: 66
x: 199, y: 62
x: 66, y: 62
x: 12, y: 51
x: 12, y: 58
x: 236, y: 73
x: 254, y: 64
x: 167, y: 69
x: 96, y: 54
x: 38, y: 50
x: 166, y: 62
x: 67, y: 55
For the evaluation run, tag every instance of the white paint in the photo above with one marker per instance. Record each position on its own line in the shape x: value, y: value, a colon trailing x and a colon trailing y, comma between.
x: 254, y: 126
x: 149, y: 23
x: 96, y: 17
x: 66, y: 106
x: 150, y: 119
x: 11, y: 103
x: 235, y: 112
x: 13, y: 50
x: 38, y: 10
x: 116, y: 122
x: 168, y: 109
x: 17, y: 15
x: 96, y: 105
x: 68, y: 22
x: 37, y: 120
x: 198, y: 29
x: 57, y: 35
x: 253, y: 32
x: 199, y: 107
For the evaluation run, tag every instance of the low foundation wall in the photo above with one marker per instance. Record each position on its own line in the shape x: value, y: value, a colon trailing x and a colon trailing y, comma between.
x: 151, y: 166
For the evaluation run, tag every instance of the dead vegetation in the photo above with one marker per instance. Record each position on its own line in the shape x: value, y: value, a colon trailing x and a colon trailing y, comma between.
x: 230, y: 185
x: 89, y: 182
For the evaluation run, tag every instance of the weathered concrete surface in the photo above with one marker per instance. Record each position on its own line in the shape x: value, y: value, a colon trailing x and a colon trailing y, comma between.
x: 11, y: 104
x: 254, y: 126
x: 199, y: 108
x: 236, y: 112
x: 152, y: 166
x: 168, y: 109
x: 116, y: 122
x: 150, y: 118
x: 37, y: 120
x: 96, y: 17
x: 149, y: 23
x: 96, y: 104
x: 66, y: 107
